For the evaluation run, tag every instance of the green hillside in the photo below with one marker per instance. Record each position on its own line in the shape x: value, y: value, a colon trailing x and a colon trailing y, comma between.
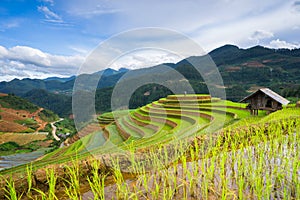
x: 160, y: 122
x: 203, y: 146
x: 17, y: 103
x: 21, y: 124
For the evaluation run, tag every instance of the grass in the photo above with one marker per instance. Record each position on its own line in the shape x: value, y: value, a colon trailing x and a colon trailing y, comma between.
x: 27, y: 121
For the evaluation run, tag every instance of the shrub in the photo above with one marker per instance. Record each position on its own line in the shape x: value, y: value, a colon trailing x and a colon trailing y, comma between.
x: 8, y: 146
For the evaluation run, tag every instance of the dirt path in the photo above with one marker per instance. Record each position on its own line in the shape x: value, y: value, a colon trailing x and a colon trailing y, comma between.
x: 54, y: 128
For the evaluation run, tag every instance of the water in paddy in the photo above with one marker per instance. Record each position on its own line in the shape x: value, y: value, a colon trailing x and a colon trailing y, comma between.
x: 19, y: 159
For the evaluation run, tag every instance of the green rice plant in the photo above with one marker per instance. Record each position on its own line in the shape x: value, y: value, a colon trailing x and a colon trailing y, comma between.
x: 195, y: 172
x: 223, y: 176
x: 170, y: 191
x: 72, y: 189
x: 134, y: 164
x: 51, y: 182
x: 10, y: 190
x: 29, y: 178
x: 51, y: 179
x: 174, y: 176
x: 204, y: 186
x: 42, y: 195
x: 145, y: 182
x: 254, y: 158
x: 155, y: 189
x: 122, y: 190
x: 97, y: 182
x: 241, y: 187
x: 295, y: 178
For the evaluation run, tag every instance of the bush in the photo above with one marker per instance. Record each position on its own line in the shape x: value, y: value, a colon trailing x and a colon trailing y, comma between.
x: 48, y: 116
x: 8, y: 146
x: 29, y: 130
x: 47, y: 128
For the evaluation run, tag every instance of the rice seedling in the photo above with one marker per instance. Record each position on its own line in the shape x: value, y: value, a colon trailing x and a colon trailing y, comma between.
x: 97, y: 181
x: 10, y: 190
x: 51, y: 182
x: 72, y: 188
x: 29, y: 178
x: 51, y: 178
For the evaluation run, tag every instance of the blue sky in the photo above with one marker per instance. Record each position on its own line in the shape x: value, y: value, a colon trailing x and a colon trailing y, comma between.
x: 41, y: 38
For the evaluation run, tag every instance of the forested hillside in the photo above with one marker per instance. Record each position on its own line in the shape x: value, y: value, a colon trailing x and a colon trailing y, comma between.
x: 242, y: 70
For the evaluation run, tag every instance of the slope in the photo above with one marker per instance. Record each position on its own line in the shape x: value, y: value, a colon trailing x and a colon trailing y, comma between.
x: 20, y: 115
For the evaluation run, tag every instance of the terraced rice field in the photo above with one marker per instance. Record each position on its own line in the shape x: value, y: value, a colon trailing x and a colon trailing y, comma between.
x: 179, y: 147
x: 177, y: 116
x: 167, y: 120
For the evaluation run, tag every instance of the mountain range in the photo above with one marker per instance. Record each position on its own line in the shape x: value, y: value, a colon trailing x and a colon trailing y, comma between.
x: 242, y: 70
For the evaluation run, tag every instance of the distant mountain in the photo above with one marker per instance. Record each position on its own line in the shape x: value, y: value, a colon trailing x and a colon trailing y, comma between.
x: 242, y: 71
x: 60, y: 79
x: 257, y: 65
x: 21, y: 87
x: 121, y: 70
x: 225, y: 54
x: 58, y: 103
x: 60, y: 85
x: 109, y: 71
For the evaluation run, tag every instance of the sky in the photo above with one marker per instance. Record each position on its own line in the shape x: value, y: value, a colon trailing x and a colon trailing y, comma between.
x: 44, y: 38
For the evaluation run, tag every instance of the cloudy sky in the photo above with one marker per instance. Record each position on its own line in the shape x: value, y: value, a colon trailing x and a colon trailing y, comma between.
x: 41, y: 38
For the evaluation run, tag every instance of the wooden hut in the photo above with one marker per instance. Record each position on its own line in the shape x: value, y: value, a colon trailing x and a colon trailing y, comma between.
x: 264, y: 99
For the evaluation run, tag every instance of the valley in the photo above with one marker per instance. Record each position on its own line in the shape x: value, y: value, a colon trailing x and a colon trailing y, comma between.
x: 175, y: 139
x: 163, y: 144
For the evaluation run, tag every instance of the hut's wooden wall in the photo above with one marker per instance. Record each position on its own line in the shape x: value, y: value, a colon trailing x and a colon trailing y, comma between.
x: 262, y: 101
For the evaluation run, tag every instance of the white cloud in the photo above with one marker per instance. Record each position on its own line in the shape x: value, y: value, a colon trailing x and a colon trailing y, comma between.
x: 51, y: 2
x: 9, y: 24
x: 144, y: 58
x: 80, y: 50
x: 210, y: 23
x: 92, y: 8
x: 53, y: 18
x: 283, y: 44
x: 96, y: 12
x: 3, y: 52
x: 49, y: 15
x: 29, y: 55
x: 296, y: 5
x: 12, y: 24
x: 277, y: 20
x: 261, y: 34
x: 295, y: 27
x: 23, y: 61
